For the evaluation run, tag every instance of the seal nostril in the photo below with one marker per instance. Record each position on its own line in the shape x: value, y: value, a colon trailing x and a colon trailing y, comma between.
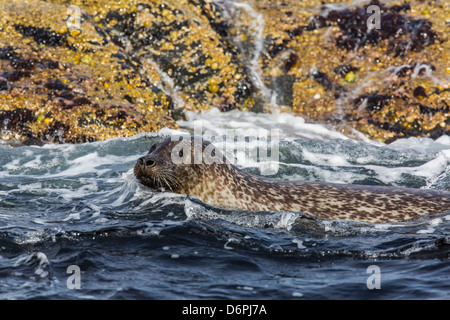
x: 150, y: 162
x: 141, y: 161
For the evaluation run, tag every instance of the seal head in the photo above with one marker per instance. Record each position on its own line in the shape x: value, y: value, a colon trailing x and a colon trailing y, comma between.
x: 177, y: 164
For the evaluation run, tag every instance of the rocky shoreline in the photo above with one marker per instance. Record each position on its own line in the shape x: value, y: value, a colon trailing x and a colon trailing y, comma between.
x: 134, y: 66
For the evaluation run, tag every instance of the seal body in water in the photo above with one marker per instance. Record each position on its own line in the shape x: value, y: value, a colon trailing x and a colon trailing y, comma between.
x: 195, y: 167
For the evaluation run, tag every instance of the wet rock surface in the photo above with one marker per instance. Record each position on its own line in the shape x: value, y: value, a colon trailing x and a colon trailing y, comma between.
x: 136, y: 66
x: 70, y: 85
x: 388, y: 83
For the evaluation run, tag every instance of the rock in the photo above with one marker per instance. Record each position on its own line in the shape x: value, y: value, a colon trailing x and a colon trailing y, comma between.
x: 135, y: 66
x: 59, y: 85
x: 379, y: 97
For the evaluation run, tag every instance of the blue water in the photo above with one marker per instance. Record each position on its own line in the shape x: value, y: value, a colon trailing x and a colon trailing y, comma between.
x: 80, y: 205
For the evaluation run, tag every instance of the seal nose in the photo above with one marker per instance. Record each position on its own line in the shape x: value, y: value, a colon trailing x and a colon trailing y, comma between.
x: 146, y: 162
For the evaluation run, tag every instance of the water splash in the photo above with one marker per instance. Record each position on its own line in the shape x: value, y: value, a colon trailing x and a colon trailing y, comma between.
x: 290, y: 126
x: 167, y: 84
x: 233, y: 12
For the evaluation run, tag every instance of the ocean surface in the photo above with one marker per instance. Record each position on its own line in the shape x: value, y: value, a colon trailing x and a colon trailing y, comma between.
x: 76, y: 224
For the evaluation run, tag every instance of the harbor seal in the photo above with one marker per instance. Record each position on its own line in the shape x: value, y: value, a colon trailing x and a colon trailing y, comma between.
x: 180, y: 166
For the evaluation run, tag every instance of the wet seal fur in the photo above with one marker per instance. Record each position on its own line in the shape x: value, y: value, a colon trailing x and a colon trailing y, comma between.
x: 225, y: 186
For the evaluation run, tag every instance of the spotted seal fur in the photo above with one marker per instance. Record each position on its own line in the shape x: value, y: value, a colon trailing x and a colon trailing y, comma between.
x: 222, y: 185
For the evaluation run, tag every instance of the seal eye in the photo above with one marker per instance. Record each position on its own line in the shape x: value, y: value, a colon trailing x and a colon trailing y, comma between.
x: 152, y: 148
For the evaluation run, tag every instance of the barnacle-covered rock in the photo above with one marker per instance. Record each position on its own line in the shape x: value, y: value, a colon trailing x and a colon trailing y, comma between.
x: 133, y: 66
x: 70, y: 85
x: 328, y: 66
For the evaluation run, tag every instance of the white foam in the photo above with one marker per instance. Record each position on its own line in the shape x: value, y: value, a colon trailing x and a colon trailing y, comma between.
x: 35, y: 163
x: 43, y: 264
x: 229, y: 241
x: 13, y: 165
x: 89, y: 163
x: 245, y: 288
x: 73, y: 216
x: 217, y: 123
x: 428, y: 170
x: 40, y: 258
x: 299, y: 243
x: 421, y: 145
x: 427, y: 230
x: 336, y: 167
x: 325, y: 159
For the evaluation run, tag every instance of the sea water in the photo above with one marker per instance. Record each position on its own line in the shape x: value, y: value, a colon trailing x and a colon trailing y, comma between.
x: 68, y: 208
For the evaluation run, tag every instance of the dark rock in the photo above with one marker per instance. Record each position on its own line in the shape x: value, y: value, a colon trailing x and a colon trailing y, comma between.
x: 353, y: 23
x: 244, y: 90
x: 296, y: 32
x: 408, y: 69
x: 26, y: 64
x: 16, y: 75
x: 57, y: 85
x: 4, y: 85
x: 316, y: 23
x: 122, y: 115
x: 322, y: 79
x: 291, y: 61
x: 374, y: 102
x: 178, y: 114
x: 7, y: 53
x: 419, y: 92
x: 100, y: 113
x: 56, y: 132
x: 403, y: 7
x: 277, y: 48
x: 128, y: 98
x: 16, y: 120
x: 66, y: 94
x: 81, y: 102
x: 41, y: 35
x: 343, y: 69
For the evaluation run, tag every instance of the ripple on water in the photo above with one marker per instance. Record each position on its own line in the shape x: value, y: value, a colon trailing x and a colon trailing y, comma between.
x: 64, y: 205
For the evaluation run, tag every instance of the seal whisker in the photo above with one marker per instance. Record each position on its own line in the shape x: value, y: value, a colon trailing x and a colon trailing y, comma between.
x: 172, y: 179
x: 167, y: 183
